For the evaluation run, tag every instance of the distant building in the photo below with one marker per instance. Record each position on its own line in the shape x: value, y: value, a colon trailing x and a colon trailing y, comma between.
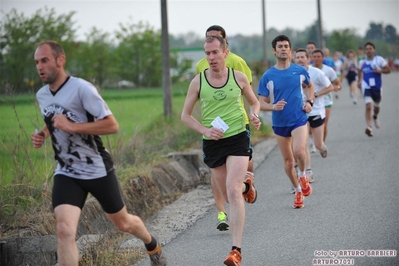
x: 191, y: 54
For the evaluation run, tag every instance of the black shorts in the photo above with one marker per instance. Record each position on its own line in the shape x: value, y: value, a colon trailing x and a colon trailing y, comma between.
x: 315, y: 121
x: 215, y: 152
x: 374, y: 94
x: 351, y: 77
x: 68, y: 190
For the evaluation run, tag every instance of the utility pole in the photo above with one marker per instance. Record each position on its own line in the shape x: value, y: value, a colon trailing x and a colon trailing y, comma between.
x: 266, y: 62
x: 166, y: 79
x: 319, y: 26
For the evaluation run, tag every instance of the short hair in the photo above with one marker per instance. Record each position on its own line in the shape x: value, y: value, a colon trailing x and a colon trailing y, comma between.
x: 312, y: 42
x: 56, y: 48
x: 280, y: 38
x: 318, y: 51
x: 302, y: 50
x: 216, y: 28
x: 222, y: 41
x: 369, y: 43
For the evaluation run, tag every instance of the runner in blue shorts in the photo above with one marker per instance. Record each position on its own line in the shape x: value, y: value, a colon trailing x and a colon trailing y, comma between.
x: 370, y: 81
x: 286, y: 90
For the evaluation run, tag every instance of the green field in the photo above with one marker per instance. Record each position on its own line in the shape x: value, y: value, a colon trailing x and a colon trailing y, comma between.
x: 135, y: 110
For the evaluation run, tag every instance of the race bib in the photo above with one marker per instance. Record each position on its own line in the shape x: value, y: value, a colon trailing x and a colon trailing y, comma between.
x: 371, y: 82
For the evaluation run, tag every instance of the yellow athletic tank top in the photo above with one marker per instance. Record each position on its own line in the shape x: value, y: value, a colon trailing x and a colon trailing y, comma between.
x: 225, y: 102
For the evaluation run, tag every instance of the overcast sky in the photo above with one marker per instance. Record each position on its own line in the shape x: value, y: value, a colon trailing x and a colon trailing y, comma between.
x: 236, y: 16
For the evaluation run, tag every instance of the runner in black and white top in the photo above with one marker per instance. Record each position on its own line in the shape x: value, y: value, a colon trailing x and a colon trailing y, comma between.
x: 322, y: 86
x: 80, y: 156
x: 75, y: 116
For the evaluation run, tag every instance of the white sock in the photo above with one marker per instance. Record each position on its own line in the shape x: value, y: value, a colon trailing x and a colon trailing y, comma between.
x: 299, y: 189
x: 300, y: 173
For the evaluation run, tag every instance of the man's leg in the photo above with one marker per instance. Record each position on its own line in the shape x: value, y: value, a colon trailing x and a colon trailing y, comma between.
x: 107, y: 191
x: 376, y: 109
x: 285, y: 146
x: 369, y: 128
x: 230, y: 179
x: 353, y: 88
x: 311, y: 142
x: 222, y: 224
x: 132, y: 224
x: 328, y: 112
x: 236, y: 167
x: 299, y: 136
x: 218, y: 196
x: 220, y: 200
x: 67, y: 218
x: 250, y: 166
x: 369, y: 107
x: 318, y: 133
x: 309, y: 158
x: 299, y: 140
x: 129, y: 223
x: 320, y: 145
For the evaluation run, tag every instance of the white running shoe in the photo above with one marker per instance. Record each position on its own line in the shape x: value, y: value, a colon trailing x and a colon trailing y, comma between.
x: 323, y: 151
x: 369, y: 131
x: 312, y: 148
x: 376, y: 122
x: 309, y: 173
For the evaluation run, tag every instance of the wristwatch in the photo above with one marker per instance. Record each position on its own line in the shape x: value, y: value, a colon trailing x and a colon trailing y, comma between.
x: 310, y: 102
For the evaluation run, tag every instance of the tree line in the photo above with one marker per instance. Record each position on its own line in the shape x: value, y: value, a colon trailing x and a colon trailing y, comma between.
x: 133, y: 53
x: 385, y: 38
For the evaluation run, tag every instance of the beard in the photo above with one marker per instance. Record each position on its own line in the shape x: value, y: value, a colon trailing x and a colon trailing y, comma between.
x: 50, y: 78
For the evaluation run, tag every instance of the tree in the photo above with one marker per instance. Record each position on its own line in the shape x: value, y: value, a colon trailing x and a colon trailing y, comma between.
x: 390, y: 34
x: 138, y: 54
x: 342, y: 40
x: 94, y: 58
x: 375, y: 32
x: 18, y: 37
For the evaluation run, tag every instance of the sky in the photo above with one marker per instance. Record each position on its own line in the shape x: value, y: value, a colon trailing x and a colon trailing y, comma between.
x: 236, y: 16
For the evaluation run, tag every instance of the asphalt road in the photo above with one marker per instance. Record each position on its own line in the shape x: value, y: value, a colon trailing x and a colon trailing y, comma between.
x: 353, y: 210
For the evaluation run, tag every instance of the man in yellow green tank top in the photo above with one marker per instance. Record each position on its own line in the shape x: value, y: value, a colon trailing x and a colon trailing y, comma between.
x: 232, y: 59
x: 237, y: 63
x: 226, y: 141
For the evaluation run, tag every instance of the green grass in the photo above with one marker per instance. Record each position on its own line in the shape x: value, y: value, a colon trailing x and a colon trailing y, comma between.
x: 135, y: 109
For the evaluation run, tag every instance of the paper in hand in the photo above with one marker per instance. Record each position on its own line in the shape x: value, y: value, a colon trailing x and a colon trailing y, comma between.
x: 219, y: 123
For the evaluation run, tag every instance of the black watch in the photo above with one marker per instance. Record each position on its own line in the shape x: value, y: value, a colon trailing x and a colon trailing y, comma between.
x: 310, y: 102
